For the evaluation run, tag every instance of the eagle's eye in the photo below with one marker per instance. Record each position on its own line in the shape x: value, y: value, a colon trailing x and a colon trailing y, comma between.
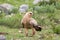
x: 30, y: 13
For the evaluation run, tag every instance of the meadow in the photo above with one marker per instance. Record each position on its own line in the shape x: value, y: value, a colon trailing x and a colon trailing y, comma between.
x: 47, y: 15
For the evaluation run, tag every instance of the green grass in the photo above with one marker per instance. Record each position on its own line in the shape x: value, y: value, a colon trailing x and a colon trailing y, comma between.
x: 17, y: 3
x: 45, y: 34
x: 11, y: 25
x: 14, y: 34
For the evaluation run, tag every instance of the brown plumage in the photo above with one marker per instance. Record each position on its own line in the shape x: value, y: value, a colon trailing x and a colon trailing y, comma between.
x: 35, y: 24
x: 28, y: 22
x: 25, y: 22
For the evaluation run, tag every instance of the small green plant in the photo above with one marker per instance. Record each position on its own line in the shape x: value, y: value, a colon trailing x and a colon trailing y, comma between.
x: 45, y: 9
x: 2, y: 15
x: 56, y: 29
x: 13, y: 21
x: 15, y: 10
x: 57, y: 5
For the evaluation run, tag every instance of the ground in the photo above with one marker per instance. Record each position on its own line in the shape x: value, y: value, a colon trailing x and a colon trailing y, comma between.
x: 45, y: 34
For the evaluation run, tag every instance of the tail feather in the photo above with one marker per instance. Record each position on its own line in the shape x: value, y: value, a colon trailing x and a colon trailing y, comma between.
x: 37, y: 28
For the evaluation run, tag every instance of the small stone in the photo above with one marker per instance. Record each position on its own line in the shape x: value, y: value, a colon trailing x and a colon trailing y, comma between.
x: 7, y: 6
x: 37, y: 1
x: 20, y: 31
x: 2, y: 37
x: 23, y: 8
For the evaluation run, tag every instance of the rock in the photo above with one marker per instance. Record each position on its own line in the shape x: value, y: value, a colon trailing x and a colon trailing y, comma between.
x: 37, y: 1
x: 2, y: 9
x: 6, y: 8
x: 23, y: 8
x: 20, y: 31
x: 2, y: 37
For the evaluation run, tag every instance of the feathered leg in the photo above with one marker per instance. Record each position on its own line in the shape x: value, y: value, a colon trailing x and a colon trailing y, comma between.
x: 33, y: 30
x: 26, y: 30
